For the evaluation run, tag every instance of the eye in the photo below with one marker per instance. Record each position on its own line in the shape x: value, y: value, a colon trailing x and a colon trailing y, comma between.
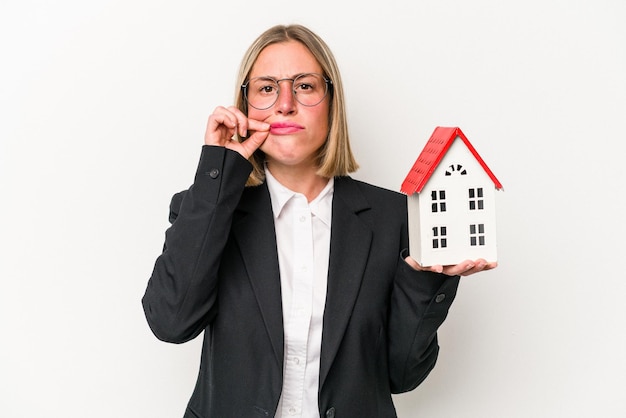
x: 303, y: 86
x: 263, y: 86
x: 267, y: 88
x: 306, y: 83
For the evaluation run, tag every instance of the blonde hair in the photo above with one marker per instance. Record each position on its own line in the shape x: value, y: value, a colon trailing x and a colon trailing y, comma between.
x: 335, y: 157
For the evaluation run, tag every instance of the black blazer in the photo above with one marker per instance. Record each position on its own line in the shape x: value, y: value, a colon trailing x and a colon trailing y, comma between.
x: 219, y: 273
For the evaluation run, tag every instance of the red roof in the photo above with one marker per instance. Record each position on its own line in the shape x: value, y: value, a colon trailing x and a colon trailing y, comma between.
x: 431, y: 156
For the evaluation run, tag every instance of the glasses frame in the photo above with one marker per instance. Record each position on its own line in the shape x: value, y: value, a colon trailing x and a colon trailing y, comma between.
x: 328, y: 81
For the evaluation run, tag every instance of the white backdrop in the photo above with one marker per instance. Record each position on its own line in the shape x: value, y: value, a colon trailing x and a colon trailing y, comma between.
x: 103, y: 106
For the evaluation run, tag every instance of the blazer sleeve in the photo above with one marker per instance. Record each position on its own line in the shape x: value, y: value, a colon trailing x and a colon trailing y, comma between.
x: 180, y: 298
x: 419, y: 304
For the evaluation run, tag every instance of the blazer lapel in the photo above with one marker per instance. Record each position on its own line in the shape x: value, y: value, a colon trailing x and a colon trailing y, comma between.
x: 254, y: 231
x: 349, y: 249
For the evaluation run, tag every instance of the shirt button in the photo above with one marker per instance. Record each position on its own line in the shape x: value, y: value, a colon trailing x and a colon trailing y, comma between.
x: 292, y: 410
x: 296, y: 360
x: 302, y: 218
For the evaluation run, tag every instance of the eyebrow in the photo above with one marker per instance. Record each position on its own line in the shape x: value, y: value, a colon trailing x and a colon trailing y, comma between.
x: 284, y: 78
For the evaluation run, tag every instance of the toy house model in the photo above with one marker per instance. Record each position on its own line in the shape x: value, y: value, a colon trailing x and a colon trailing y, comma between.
x: 451, y: 202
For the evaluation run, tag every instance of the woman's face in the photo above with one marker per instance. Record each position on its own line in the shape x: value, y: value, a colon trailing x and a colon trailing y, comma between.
x: 297, y: 131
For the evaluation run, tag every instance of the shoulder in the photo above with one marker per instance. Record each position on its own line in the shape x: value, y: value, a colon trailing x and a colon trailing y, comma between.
x: 370, y: 189
x: 372, y: 196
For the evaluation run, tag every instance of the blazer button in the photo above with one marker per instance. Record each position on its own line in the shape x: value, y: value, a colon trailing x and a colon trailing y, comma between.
x: 214, y: 173
x: 330, y: 413
x: 440, y: 297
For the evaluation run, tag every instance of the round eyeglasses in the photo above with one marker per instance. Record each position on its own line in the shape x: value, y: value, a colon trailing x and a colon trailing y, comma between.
x: 308, y: 89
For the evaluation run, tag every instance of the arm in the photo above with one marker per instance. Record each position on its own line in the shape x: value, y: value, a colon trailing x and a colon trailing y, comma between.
x: 420, y: 301
x: 180, y: 299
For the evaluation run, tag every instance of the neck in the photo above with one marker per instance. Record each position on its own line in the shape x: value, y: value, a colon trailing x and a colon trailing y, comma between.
x: 301, y: 180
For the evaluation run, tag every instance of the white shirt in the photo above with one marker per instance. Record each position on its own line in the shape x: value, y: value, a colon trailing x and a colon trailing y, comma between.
x: 303, y: 241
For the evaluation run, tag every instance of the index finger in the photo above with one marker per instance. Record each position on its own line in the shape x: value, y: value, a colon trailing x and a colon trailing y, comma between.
x: 242, y: 120
x: 257, y: 125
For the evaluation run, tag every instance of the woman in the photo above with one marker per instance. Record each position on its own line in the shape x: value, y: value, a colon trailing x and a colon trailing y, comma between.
x: 297, y: 274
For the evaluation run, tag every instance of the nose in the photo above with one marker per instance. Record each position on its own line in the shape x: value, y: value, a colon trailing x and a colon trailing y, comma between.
x: 286, y: 102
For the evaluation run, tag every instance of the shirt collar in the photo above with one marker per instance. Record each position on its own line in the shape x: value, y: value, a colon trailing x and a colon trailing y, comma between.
x: 321, y: 206
x: 279, y: 194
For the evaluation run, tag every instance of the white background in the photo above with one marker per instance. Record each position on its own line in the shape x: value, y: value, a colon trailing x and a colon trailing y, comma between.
x: 103, y: 106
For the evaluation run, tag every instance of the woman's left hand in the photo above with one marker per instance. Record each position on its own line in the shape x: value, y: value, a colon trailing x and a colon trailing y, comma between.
x: 464, y: 268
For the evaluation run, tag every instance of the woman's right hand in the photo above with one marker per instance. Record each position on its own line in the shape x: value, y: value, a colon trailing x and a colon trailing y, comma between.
x: 224, y: 123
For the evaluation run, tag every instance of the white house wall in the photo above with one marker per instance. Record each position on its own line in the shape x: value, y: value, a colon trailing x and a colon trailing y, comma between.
x: 457, y: 218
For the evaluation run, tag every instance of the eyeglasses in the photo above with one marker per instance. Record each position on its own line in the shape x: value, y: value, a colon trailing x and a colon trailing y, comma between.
x: 308, y: 89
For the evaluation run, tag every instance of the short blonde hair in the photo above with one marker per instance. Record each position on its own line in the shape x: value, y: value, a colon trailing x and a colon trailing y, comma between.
x: 335, y: 156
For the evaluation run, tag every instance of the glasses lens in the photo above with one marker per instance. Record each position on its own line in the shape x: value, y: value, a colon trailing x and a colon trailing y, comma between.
x: 262, y: 92
x: 309, y: 89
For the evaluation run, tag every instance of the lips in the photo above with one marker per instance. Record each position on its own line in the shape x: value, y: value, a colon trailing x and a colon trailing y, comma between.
x: 285, y: 128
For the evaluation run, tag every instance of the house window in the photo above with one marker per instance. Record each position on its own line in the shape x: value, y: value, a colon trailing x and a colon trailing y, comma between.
x: 438, y: 201
x: 476, y: 201
x: 477, y: 235
x: 440, y: 237
x: 456, y: 168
